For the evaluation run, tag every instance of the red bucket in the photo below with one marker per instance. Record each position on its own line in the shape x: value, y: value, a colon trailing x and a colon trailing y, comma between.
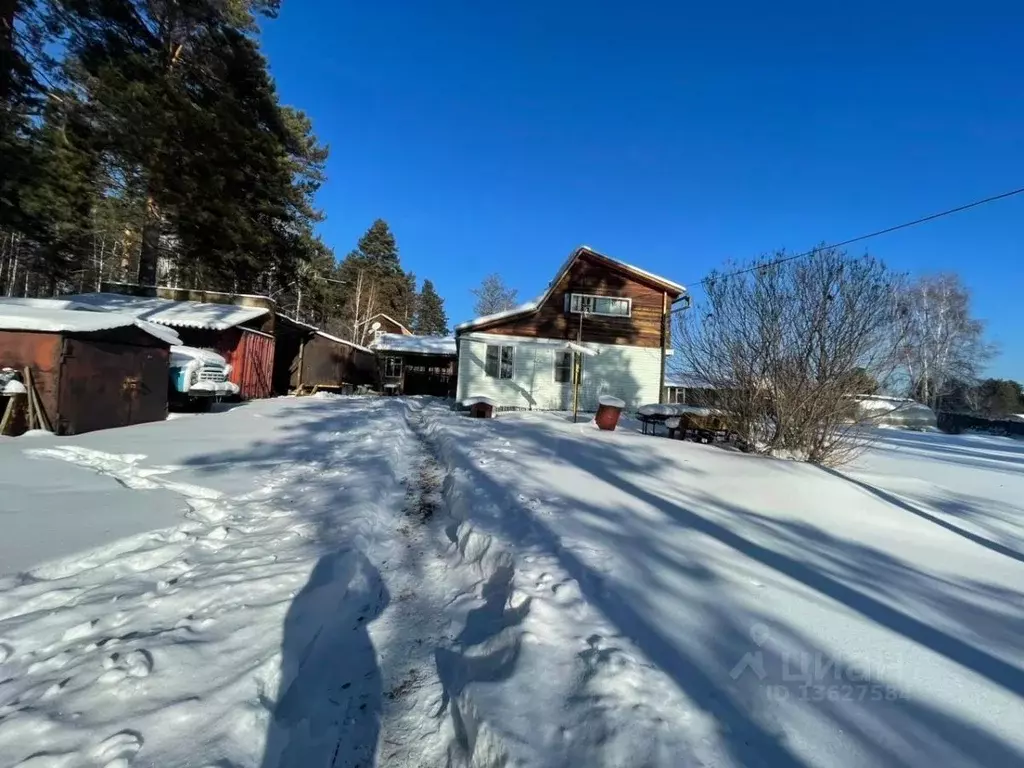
x: 608, y: 411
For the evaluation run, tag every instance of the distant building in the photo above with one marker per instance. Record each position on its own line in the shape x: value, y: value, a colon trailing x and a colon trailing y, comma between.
x: 374, y: 327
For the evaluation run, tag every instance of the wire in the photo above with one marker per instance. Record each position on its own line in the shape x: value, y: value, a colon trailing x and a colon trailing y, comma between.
x: 860, y: 238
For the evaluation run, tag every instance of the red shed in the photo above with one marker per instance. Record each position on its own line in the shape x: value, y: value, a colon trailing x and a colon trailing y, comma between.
x: 91, y: 370
x: 238, y: 328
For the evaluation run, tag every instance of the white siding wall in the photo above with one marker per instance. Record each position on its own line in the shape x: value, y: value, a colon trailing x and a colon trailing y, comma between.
x: 629, y: 373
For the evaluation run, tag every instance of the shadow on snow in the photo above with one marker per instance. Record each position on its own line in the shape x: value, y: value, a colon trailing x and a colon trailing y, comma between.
x: 947, y: 617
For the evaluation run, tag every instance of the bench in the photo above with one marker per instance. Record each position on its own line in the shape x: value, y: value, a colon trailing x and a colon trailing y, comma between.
x: 652, y: 420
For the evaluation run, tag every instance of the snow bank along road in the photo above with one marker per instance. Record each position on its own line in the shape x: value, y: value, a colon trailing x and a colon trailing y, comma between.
x: 360, y: 582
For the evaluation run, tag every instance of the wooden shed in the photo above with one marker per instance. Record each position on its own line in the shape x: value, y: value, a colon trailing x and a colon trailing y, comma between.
x: 239, y: 327
x: 91, y: 370
x: 306, y: 357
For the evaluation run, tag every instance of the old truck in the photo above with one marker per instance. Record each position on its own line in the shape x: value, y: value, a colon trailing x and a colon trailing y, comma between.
x: 198, y: 378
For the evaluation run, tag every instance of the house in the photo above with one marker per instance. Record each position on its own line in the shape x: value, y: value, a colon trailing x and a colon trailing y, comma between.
x: 607, y: 317
x: 690, y: 389
x: 305, y: 356
x: 90, y: 370
x: 376, y: 326
x: 238, y: 327
x: 416, y: 365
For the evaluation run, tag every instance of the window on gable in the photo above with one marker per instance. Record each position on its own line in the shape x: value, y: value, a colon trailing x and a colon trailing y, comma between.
x: 563, y: 367
x: 612, y: 306
x: 392, y: 367
x: 500, y: 361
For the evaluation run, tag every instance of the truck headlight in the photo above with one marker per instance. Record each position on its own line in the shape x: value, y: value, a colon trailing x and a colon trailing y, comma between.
x: 193, y: 377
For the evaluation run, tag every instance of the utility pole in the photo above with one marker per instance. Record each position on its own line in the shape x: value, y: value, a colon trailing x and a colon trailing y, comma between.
x: 577, y: 370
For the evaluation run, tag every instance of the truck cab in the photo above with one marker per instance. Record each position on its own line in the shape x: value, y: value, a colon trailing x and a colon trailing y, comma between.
x: 198, y: 378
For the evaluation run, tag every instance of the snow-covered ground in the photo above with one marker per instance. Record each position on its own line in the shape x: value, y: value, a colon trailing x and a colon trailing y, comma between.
x: 691, y: 606
x: 290, y: 618
x: 352, y: 582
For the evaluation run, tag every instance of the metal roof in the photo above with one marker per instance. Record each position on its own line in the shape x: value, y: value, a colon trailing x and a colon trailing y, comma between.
x: 183, y: 314
x: 422, y: 345
x: 57, y: 319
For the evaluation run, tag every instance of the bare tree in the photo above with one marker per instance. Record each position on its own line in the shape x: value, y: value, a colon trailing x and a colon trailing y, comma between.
x: 364, y: 306
x: 785, y: 346
x: 493, y: 296
x: 943, y: 344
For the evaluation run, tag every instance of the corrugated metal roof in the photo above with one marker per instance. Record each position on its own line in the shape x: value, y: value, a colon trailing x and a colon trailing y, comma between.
x: 423, y: 345
x: 184, y: 314
x: 43, y: 319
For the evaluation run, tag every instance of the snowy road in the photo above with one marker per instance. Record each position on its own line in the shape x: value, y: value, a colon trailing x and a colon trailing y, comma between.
x: 353, y: 582
x: 291, y: 619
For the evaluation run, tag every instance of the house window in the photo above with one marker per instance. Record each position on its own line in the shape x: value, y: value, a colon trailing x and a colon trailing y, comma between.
x: 392, y: 367
x: 500, y: 361
x: 611, y: 306
x: 563, y: 367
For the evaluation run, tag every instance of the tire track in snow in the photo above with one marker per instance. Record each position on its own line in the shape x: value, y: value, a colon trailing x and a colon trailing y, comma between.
x: 174, y: 636
x: 177, y: 633
x: 489, y: 609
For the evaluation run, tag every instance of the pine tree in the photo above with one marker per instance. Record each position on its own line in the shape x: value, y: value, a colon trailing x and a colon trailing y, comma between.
x: 375, y: 282
x: 493, y: 296
x: 188, y: 115
x: 378, y: 247
x: 172, y: 145
x: 431, y: 319
x: 58, y: 199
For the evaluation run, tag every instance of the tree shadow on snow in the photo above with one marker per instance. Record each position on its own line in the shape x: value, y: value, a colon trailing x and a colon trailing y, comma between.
x: 953, y: 506
x: 959, y: 621
x: 987, y: 452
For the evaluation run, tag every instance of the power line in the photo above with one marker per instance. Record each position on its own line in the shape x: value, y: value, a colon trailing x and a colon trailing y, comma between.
x: 860, y: 238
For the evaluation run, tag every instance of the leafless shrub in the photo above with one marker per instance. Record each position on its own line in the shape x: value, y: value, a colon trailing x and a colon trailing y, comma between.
x: 786, y: 345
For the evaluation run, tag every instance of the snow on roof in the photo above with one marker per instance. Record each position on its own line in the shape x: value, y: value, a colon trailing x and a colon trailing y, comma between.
x: 46, y: 303
x: 530, y: 306
x: 522, y: 309
x: 22, y: 317
x: 343, y: 341
x: 326, y: 335
x: 424, y: 345
x: 187, y: 314
x: 161, y: 332
x: 683, y: 379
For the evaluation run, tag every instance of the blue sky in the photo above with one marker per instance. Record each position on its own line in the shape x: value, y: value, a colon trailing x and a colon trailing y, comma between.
x: 498, y: 136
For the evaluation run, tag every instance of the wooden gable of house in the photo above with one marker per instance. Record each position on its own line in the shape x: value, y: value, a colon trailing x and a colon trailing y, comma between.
x: 593, y: 275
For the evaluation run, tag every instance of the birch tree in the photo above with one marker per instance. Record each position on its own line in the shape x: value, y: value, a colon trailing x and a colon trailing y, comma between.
x: 943, y: 343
